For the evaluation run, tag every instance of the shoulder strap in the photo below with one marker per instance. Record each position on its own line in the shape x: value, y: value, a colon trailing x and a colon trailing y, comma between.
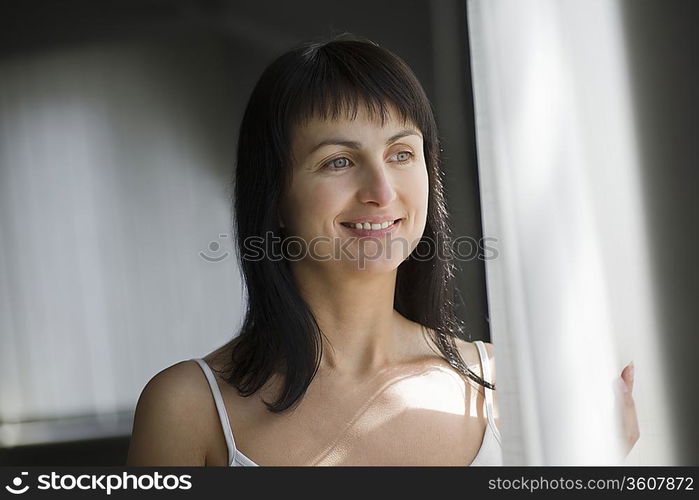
x: 485, y: 370
x: 220, y: 407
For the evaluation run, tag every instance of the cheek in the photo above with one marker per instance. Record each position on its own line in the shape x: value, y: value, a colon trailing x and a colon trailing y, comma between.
x: 425, y: 188
x: 419, y: 191
x: 314, y: 204
x: 418, y: 196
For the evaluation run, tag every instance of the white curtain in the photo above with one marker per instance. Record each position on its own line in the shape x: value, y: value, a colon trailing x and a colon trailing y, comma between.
x: 114, y: 163
x: 569, y: 293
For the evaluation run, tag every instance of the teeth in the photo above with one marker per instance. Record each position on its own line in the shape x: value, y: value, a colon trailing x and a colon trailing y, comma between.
x: 372, y: 227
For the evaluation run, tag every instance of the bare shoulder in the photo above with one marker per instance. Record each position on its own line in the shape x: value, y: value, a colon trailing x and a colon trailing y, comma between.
x: 469, y: 353
x: 169, y: 424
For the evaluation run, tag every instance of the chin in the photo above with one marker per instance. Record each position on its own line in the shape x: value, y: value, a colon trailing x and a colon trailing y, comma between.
x: 376, y: 266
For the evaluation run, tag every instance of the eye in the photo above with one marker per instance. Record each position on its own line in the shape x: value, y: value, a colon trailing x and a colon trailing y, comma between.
x: 403, y: 156
x: 338, y: 163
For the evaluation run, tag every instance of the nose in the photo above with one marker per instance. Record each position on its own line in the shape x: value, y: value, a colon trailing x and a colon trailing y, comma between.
x: 376, y: 185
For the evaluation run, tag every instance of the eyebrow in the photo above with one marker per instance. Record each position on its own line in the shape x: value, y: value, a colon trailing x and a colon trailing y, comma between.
x: 334, y: 141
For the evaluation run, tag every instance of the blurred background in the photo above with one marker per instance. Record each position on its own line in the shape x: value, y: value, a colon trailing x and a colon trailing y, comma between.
x: 118, y: 126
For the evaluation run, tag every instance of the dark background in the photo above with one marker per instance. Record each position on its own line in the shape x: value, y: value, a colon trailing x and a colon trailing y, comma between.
x: 663, y: 38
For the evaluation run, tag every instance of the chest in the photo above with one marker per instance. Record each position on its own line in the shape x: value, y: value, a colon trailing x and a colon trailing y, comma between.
x: 432, y: 417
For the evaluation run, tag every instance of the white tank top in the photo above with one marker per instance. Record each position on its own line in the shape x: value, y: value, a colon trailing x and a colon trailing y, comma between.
x: 490, y: 452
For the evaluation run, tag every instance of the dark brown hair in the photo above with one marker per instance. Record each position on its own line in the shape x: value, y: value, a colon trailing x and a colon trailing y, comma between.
x: 327, y: 79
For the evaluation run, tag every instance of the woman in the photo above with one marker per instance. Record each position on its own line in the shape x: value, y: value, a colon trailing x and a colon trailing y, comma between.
x: 350, y: 351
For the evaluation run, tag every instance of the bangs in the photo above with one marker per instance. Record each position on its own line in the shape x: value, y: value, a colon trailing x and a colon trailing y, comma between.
x: 334, y: 80
x: 333, y: 100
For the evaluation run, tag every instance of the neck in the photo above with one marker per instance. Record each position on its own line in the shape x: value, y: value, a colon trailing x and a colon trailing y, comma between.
x: 360, y: 326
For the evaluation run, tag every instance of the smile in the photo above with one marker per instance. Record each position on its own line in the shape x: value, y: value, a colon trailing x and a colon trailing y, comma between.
x: 370, y: 226
x: 372, y: 229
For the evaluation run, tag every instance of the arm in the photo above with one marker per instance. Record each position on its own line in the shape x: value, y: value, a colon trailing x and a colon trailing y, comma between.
x: 168, y: 426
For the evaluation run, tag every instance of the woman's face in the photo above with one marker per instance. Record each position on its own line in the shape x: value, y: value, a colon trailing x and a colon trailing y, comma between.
x: 348, y: 172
